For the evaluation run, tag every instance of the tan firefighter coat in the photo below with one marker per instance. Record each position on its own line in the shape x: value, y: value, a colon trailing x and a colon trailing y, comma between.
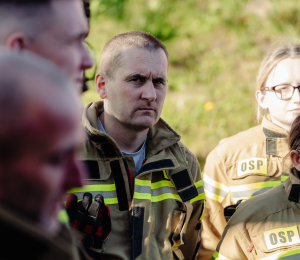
x: 155, y: 214
x: 22, y: 239
x: 240, y: 167
x: 265, y: 227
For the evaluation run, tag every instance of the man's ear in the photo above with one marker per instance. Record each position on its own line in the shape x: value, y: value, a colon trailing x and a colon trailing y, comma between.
x: 295, y: 159
x: 261, y: 99
x: 101, y: 80
x: 17, y: 41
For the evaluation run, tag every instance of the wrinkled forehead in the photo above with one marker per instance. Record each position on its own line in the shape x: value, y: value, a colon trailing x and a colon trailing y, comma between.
x: 143, y: 61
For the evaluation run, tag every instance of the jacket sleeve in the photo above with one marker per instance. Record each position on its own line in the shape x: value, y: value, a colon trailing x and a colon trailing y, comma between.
x: 193, y: 233
x: 216, y: 190
x: 232, y: 246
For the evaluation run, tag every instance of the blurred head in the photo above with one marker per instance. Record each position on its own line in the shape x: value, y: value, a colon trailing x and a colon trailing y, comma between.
x: 294, y: 142
x: 280, y: 66
x: 133, y: 79
x: 39, y: 137
x: 54, y: 29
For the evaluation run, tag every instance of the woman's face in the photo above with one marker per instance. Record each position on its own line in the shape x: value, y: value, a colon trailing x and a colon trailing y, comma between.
x: 282, y: 112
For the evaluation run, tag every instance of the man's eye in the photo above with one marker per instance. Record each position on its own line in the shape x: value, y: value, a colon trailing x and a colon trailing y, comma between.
x: 159, y: 82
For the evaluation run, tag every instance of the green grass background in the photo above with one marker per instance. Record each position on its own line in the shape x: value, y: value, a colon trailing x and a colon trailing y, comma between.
x: 215, y: 48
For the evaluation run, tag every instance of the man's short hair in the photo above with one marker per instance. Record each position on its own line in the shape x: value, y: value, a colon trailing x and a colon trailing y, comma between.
x: 112, y: 51
x: 23, y: 15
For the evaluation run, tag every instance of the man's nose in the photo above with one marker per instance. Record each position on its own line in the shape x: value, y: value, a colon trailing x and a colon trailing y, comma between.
x: 86, y: 59
x: 149, y: 92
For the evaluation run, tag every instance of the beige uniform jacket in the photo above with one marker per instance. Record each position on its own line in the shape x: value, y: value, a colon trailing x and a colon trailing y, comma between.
x: 21, y: 239
x: 265, y: 227
x: 240, y: 167
x: 155, y: 214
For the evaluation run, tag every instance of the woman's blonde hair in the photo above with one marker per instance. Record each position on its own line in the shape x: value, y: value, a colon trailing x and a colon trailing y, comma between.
x: 270, y: 61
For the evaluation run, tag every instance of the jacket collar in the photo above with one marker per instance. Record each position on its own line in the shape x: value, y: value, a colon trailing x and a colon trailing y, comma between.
x: 276, y: 138
x: 160, y: 136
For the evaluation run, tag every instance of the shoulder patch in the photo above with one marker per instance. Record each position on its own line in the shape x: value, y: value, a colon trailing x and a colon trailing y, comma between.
x: 282, y: 237
x: 252, y: 166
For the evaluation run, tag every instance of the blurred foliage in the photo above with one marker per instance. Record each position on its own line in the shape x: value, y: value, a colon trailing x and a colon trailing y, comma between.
x: 215, y: 49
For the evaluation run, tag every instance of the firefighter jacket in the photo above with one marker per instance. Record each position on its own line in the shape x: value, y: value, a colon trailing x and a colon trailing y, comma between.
x: 22, y: 239
x: 265, y: 227
x: 240, y: 167
x: 156, y: 213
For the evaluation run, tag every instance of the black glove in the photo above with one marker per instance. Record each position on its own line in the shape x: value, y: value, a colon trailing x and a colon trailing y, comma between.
x: 92, y: 218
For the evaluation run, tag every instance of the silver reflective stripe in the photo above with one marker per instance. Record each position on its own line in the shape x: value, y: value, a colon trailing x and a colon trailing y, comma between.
x: 200, y: 189
x: 142, y: 189
x: 214, y: 190
x: 249, y: 193
x: 163, y: 190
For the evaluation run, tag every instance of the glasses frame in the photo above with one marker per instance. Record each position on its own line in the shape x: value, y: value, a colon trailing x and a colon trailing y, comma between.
x: 273, y: 89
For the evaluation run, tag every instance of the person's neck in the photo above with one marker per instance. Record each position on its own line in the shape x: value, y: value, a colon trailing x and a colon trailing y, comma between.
x: 282, y: 125
x: 128, y: 140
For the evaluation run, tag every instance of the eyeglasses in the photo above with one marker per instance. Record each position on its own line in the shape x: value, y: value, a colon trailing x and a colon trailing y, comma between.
x: 283, y: 92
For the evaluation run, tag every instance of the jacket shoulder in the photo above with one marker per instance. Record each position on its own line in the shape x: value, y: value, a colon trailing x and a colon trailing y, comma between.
x: 260, y: 207
x: 240, y: 141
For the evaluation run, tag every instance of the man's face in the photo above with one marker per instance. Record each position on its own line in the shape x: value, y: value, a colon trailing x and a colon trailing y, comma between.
x: 63, y: 42
x: 283, y: 112
x: 136, y: 94
x: 46, y: 164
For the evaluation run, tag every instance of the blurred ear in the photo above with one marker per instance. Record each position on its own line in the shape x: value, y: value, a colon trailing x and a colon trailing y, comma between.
x: 295, y: 159
x: 261, y: 99
x: 17, y: 41
x: 100, y: 82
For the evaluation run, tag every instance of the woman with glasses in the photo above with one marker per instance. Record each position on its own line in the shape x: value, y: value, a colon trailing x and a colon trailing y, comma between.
x: 251, y: 162
x: 267, y: 226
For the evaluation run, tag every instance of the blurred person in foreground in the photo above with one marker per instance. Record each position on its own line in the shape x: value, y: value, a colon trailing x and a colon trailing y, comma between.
x: 54, y: 29
x: 267, y: 226
x: 251, y: 162
x: 39, y: 137
x: 148, y: 178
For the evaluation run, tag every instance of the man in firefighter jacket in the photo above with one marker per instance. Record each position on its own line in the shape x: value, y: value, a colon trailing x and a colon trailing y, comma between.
x: 149, y: 180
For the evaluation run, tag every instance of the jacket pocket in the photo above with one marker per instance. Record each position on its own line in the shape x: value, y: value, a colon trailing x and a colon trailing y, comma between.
x: 180, y: 220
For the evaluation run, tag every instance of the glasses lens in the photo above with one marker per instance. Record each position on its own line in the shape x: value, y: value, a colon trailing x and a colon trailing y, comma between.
x: 284, y: 91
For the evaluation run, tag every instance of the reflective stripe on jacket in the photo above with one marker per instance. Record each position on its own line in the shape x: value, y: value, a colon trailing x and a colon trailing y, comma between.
x: 239, y: 168
x: 265, y: 227
x: 155, y: 214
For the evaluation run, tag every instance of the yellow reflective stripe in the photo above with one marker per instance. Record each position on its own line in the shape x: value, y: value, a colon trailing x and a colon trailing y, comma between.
x: 218, y: 256
x: 159, y: 184
x: 199, y: 184
x: 213, y: 196
x: 111, y: 201
x: 96, y: 187
x: 284, y: 177
x: 142, y: 182
x: 200, y: 196
x: 254, y: 186
x: 165, y: 175
x: 165, y: 196
x: 62, y: 216
x: 284, y: 255
x: 215, y: 184
x: 142, y: 196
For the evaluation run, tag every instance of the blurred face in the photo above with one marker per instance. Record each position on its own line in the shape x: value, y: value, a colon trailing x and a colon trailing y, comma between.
x: 63, y: 42
x: 45, y: 169
x: 283, y: 112
x: 136, y: 94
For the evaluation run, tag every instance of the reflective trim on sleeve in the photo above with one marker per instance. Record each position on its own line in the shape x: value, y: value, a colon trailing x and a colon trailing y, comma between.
x: 62, y: 216
x: 284, y: 177
x: 218, y: 256
x: 247, y: 191
x: 108, y: 191
x: 215, y: 190
x: 162, y: 190
x: 293, y: 254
